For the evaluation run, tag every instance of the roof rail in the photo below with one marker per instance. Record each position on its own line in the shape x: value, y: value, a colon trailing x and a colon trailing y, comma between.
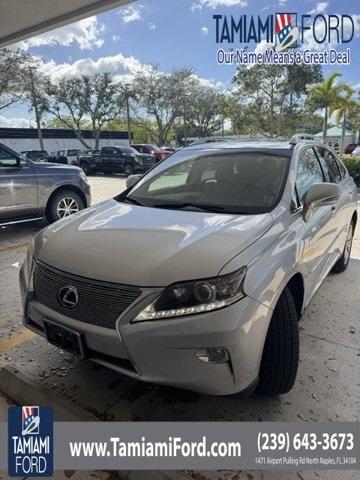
x: 301, y: 136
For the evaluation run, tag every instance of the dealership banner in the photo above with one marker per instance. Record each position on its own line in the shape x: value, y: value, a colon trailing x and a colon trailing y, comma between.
x: 37, y: 448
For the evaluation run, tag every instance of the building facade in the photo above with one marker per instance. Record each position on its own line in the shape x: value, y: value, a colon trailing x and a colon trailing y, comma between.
x: 21, y: 139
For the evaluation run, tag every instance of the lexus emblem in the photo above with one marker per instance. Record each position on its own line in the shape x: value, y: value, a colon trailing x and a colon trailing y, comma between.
x: 68, y: 296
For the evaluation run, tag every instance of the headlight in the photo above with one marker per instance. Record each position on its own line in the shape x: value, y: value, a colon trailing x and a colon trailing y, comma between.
x: 198, y: 296
x: 83, y: 176
x: 28, y: 264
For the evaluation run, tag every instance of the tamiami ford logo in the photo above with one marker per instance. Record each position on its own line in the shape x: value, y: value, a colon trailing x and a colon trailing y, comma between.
x: 284, y: 38
x: 30, y: 441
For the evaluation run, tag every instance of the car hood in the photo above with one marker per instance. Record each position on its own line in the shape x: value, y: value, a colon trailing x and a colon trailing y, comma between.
x: 56, y: 166
x: 143, y: 246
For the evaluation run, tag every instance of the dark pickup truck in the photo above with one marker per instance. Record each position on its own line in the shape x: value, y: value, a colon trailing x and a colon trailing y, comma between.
x: 124, y: 160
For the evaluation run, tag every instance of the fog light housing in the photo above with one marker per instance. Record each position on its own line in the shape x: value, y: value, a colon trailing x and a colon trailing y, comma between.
x: 212, y: 355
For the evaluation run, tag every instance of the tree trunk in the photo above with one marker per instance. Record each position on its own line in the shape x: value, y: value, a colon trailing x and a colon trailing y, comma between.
x: 81, y: 140
x: 343, y: 133
x: 97, y: 140
x: 325, y: 125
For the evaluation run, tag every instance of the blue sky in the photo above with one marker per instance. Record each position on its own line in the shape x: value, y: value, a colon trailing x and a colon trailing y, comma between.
x: 170, y: 33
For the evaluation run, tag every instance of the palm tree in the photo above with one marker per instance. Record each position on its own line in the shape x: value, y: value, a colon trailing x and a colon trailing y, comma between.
x: 327, y: 95
x: 341, y: 110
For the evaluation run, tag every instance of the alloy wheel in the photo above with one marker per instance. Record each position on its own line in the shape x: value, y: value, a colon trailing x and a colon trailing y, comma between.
x: 66, y: 207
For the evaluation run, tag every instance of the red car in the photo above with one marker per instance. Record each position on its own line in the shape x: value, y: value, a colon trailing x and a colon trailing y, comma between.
x: 350, y: 148
x: 154, y: 150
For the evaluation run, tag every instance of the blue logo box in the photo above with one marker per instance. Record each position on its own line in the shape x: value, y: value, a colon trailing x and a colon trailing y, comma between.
x: 30, y: 441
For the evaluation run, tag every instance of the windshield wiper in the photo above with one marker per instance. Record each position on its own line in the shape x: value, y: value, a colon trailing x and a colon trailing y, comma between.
x: 190, y: 206
x: 132, y: 200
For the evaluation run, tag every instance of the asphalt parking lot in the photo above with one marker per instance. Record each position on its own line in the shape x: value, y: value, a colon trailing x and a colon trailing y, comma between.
x: 327, y: 386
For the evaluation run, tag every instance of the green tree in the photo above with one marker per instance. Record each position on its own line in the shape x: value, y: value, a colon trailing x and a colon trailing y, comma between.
x: 12, y: 76
x: 354, y: 118
x: 94, y: 99
x: 272, y: 97
x: 161, y: 98
x: 341, y: 112
x: 327, y: 95
x: 204, y: 108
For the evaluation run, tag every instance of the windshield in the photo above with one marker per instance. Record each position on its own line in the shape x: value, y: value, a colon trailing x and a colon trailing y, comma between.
x: 241, y: 182
x: 129, y: 150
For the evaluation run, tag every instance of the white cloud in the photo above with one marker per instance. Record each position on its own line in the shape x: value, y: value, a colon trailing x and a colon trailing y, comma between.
x: 132, y: 13
x: 263, y: 46
x: 87, y: 33
x: 14, y: 122
x: 204, y: 30
x: 115, y: 38
x: 120, y: 66
x: 152, y: 26
x: 319, y: 8
x: 208, y: 82
x: 195, y: 6
x: 217, y: 3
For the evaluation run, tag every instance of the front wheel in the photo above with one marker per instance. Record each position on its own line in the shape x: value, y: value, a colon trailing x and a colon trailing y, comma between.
x: 343, y: 262
x: 128, y: 170
x: 86, y: 168
x: 280, y: 360
x: 64, y: 204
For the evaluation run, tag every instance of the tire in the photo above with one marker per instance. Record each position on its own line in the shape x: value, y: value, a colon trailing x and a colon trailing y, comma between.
x: 343, y: 262
x: 86, y: 168
x: 280, y: 359
x: 66, y: 199
x: 128, y: 169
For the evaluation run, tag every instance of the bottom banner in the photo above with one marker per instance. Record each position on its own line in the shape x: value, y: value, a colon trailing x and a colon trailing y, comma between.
x: 35, y: 449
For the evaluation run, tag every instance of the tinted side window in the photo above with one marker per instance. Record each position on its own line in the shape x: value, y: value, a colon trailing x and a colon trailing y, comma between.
x: 109, y: 151
x: 73, y: 152
x: 308, y: 172
x: 342, y: 169
x: 329, y: 164
x: 7, y: 159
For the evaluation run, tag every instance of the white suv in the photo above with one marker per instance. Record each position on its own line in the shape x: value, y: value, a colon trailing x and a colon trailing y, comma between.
x: 197, y: 275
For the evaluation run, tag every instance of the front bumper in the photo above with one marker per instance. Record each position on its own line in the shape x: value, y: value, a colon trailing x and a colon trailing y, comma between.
x: 87, y: 193
x: 163, y: 351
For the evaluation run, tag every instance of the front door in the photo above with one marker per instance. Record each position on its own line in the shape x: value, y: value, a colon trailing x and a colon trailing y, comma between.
x: 18, y: 186
x: 319, y: 232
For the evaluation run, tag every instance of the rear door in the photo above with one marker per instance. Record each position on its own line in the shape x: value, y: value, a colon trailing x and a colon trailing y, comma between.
x: 117, y: 159
x: 106, y: 162
x: 18, y: 186
x: 343, y: 210
x: 319, y: 230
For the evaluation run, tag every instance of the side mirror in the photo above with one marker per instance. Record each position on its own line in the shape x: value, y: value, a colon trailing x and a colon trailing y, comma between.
x: 320, y: 195
x: 132, y: 180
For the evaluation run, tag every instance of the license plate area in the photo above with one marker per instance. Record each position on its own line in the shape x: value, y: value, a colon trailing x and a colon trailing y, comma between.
x: 64, y: 338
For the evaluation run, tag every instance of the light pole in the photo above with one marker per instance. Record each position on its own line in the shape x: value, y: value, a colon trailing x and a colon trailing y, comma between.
x: 127, y: 85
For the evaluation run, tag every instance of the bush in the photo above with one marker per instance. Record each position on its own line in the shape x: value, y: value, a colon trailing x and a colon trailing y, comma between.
x: 353, y: 166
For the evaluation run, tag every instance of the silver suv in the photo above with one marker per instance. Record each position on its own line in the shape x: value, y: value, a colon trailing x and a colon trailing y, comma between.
x: 197, y: 275
x: 31, y: 190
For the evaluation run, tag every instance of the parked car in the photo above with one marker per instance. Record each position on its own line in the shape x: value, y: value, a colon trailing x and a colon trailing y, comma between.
x: 36, y: 155
x: 151, y: 149
x: 350, y: 148
x: 356, y: 152
x: 39, y: 189
x: 116, y: 160
x: 66, y: 156
x: 197, y: 275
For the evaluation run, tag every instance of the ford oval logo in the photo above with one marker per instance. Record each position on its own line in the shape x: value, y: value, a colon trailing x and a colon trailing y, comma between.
x: 68, y: 296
